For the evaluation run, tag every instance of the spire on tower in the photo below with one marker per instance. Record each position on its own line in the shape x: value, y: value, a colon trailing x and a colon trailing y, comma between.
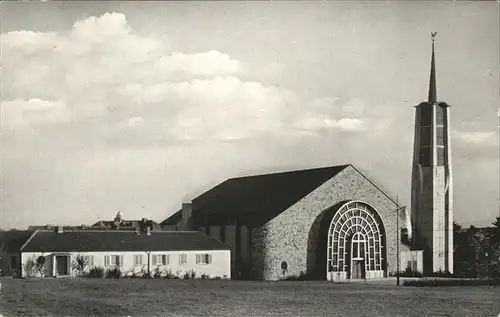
x: 432, y: 80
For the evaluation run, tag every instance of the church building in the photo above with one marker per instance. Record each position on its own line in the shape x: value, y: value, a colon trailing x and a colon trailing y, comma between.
x: 329, y: 223
x: 334, y: 223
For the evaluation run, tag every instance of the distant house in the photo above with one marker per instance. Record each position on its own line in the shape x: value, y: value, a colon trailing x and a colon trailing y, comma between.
x: 120, y: 224
x: 10, y: 255
x: 177, y: 252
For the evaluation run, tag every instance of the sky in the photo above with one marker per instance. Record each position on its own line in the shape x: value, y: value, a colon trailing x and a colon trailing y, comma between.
x: 140, y: 106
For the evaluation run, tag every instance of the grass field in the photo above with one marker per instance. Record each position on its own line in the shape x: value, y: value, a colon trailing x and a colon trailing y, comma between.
x: 137, y: 297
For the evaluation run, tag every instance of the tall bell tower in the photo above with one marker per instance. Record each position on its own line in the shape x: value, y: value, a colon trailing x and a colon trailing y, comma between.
x: 431, y: 185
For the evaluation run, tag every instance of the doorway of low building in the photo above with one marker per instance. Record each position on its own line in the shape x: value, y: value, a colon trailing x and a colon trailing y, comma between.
x: 62, y: 267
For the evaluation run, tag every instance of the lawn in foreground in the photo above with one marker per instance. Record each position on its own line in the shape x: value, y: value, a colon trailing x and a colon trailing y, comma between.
x: 137, y: 297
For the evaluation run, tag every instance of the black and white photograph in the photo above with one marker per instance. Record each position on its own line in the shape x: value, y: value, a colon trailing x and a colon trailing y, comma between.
x: 250, y: 158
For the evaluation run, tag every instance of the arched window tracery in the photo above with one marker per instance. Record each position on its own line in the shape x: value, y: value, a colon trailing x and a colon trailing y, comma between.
x: 355, y: 232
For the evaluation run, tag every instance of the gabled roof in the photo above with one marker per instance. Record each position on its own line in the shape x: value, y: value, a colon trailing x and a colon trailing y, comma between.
x: 257, y: 199
x: 95, y: 241
x: 172, y: 220
x: 12, y: 241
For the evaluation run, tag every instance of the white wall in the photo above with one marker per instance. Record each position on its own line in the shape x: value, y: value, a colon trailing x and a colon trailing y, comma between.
x: 219, y: 267
x: 413, y: 255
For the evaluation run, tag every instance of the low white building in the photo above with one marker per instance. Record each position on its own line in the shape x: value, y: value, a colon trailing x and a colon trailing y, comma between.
x: 173, y: 252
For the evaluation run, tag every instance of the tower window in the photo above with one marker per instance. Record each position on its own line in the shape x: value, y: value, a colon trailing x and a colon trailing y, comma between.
x: 425, y: 156
x: 425, y: 136
x: 440, y: 136
x: 440, y: 155
x: 440, y: 112
x: 426, y: 115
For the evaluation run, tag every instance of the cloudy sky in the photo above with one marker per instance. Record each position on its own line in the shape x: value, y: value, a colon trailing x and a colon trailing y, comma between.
x: 140, y: 106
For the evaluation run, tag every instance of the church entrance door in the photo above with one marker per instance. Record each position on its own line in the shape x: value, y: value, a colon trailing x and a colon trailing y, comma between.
x: 357, y: 269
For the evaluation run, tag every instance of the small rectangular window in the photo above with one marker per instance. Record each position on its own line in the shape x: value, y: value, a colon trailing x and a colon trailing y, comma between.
x: 160, y: 259
x: 89, y: 260
x: 113, y: 260
x: 203, y: 258
x: 183, y: 258
x: 138, y: 260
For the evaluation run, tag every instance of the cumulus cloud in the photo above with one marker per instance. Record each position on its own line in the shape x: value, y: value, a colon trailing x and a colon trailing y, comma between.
x: 477, y: 137
x: 33, y: 112
x: 351, y: 115
x: 102, y: 68
x: 221, y: 107
x: 206, y: 63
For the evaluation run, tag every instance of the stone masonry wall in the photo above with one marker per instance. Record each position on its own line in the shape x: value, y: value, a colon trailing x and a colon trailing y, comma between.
x: 285, y: 238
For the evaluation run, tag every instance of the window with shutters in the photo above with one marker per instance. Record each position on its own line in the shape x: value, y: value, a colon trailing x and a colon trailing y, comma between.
x: 160, y: 259
x: 89, y: 259
x: 183, y: 259
x: 203, y: 258
x: 138, y: 260
x: 113, y: 260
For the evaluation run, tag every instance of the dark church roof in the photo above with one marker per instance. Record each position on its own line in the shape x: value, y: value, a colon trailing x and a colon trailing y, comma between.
x: 94, y: 241
x: 254, y: 200
x: 172, y: 220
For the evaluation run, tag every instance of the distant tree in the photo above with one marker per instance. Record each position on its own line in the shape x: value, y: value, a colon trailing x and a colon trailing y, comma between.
x: 29, y: 268
x: 493, y: 257
x: 495, y: 237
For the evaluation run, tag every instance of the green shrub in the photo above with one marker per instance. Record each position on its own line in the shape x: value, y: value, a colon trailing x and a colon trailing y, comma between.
x: 441, y: 274
x: 408, y: 272
x: 144, y: 273
x: 157, y: 272
x: 303, y: 276
x: 114, y: 273
x: 451, y: 282
x: 30, y: 268
x: 169, y: 275
x: 189, y: 275
x: 79, y: 265
x: 96, y: 272
x: 205, y: 276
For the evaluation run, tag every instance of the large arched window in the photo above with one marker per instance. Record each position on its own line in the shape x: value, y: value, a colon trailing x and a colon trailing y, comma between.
x: 355, y: 233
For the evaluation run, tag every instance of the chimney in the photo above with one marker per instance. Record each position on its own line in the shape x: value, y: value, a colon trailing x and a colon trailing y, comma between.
x: 143, y: 225
x: 186, y: 220
x: 60, y: 229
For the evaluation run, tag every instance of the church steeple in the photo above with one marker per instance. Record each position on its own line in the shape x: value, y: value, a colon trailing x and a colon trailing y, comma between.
x: 432, y: 81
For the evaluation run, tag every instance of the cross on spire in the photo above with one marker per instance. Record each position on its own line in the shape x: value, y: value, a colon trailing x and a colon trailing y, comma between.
x: 432, y: 81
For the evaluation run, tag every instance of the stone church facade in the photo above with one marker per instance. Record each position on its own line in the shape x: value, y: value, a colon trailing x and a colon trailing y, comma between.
x: 329, y: 223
